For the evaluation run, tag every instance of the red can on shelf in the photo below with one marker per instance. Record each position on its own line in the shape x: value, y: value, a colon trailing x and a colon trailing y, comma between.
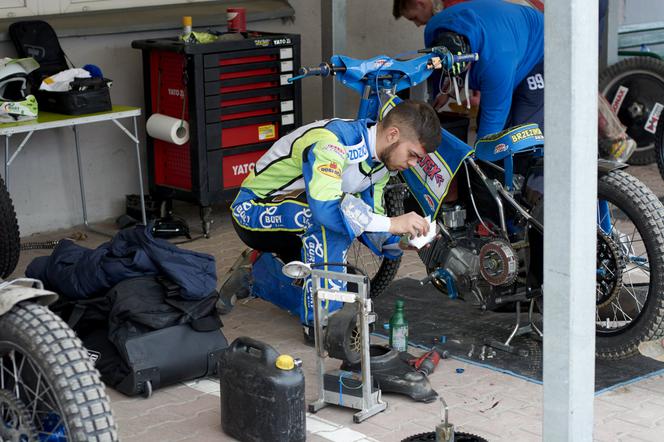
x: 237, y: 19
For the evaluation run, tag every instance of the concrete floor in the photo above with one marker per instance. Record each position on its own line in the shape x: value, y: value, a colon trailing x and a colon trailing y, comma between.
x: 496, y: 406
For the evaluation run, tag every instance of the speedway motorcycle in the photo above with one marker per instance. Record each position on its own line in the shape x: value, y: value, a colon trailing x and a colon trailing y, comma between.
x: 49, y: 388
x: 491, y: 245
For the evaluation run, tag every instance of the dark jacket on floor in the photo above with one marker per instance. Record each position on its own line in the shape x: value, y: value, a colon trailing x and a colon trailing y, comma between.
x: 78, y: 272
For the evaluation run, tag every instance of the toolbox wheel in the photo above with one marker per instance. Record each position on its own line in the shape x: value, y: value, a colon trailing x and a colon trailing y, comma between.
x: 147, y: 392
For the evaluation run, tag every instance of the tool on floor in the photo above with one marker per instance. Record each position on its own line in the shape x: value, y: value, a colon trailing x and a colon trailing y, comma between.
x: 341, y: 387
x: 444, y: 431
x: 427, y: 363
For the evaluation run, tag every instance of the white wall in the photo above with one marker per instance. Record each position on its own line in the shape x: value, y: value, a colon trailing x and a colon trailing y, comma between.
x: 642, y: 11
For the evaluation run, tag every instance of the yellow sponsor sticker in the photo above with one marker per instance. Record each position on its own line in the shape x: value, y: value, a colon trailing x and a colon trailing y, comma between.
x: 332, y: 170
x: 267, y: 132
x: 525, y: 134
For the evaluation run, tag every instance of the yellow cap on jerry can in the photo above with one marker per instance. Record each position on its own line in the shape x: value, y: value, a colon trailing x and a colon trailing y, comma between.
x: 285, y: 362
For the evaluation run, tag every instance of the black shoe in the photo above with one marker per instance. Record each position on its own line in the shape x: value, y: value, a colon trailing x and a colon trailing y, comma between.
x: 225, y: 303
x: 309, y: 335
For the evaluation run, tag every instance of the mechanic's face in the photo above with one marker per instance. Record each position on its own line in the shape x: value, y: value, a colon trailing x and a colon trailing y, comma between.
x: 402, y: 154
x: 419, y: 12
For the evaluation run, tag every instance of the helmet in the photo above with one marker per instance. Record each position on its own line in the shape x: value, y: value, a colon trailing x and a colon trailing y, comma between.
x: 14, y: 104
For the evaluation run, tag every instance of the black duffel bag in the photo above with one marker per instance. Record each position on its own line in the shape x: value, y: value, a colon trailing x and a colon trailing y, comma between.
x: 142, y: 335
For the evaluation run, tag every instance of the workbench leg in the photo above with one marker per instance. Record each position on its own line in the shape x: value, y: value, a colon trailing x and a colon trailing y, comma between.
x: 80, y: 177
x: 140, y: 173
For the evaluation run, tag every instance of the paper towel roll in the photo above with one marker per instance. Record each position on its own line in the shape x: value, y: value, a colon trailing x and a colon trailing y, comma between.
x: 165, y: 128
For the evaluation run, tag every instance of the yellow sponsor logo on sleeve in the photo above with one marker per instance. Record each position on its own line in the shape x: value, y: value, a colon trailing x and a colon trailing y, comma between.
x: 331, y: 169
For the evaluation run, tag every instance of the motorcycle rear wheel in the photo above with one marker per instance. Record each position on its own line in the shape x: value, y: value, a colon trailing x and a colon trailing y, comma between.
x: 51, y: 379
x: 381, y: 271
x: 644, y: 77
x: 632, y: 309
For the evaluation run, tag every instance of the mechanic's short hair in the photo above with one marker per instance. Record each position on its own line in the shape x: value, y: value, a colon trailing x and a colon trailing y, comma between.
x: 416, y: 119
x: 398, y: 7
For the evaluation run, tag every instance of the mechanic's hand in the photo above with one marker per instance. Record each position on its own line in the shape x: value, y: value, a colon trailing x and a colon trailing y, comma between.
x: 410, y: 223
x: 440, y: 101
x: 475, y: 98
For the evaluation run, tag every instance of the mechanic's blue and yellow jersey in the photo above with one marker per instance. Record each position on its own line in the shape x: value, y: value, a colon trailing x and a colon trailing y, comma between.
x: 509, y: 39
x: 327, y: 159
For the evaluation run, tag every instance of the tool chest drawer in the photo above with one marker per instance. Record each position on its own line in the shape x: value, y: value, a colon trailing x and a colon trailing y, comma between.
x: 236, y: 97
x: 247, y: 131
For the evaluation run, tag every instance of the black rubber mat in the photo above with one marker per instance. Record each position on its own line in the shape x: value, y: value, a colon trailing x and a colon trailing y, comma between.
x: 431, y: 314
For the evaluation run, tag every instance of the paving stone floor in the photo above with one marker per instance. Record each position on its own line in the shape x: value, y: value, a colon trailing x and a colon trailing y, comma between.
x: 496, y: 406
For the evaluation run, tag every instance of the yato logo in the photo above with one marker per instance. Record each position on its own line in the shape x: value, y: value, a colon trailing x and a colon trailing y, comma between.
x: 243, y: 169
x: 358, y: 153
x: 175, y: 92
x: 332, y: 170
x: 262, y: 43
x: 502, y: 147
x: 282, y: 41
x: 429, y: 201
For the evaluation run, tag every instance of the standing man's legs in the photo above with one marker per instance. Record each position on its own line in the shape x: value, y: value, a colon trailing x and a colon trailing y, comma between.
x: 528, y: 100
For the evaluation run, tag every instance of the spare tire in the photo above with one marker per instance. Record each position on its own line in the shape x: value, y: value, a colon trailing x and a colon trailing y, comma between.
x: 10, y: 242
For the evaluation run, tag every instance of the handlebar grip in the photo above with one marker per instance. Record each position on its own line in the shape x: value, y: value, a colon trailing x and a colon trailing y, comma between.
x: 323, y: 70
x: 466, y: 58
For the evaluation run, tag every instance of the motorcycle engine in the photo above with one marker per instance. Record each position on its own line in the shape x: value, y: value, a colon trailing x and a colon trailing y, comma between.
x: 478, y: 264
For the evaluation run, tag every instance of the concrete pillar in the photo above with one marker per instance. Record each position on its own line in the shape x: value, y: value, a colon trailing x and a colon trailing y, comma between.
x: 569, y: 218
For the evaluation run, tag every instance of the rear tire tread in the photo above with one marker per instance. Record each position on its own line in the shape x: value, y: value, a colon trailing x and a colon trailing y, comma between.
x: 10, y: 245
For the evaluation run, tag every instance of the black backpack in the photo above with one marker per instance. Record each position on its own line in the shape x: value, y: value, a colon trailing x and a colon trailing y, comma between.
x: 142, y: 335
x: 37, y: 39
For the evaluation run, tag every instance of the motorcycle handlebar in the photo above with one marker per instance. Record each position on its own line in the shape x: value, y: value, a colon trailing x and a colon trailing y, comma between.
x: 448, y: 58
x: 322, y: 70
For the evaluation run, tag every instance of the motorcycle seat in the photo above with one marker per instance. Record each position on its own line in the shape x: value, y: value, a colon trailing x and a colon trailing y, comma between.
x: 497, y: 146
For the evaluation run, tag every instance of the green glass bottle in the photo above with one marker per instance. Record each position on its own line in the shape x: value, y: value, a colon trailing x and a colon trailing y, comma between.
x: 398, y: 328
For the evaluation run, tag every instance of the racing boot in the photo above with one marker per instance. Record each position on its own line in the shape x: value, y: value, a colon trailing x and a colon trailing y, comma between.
x: 236, y: 283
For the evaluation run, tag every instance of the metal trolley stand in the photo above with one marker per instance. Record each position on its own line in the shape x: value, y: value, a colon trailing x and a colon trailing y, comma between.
x: 370, y: 403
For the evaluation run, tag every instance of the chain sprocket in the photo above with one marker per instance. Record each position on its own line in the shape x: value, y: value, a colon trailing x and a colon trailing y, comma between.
x: 610, y: 266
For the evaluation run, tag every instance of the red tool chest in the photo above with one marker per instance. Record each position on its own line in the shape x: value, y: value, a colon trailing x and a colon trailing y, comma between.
x: 237, y: 100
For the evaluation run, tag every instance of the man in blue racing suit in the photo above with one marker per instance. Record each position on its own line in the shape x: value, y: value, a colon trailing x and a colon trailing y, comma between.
x: 320, y: 187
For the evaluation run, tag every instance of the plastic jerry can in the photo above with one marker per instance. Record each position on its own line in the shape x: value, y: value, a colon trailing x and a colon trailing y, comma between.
x: 262, y: 393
